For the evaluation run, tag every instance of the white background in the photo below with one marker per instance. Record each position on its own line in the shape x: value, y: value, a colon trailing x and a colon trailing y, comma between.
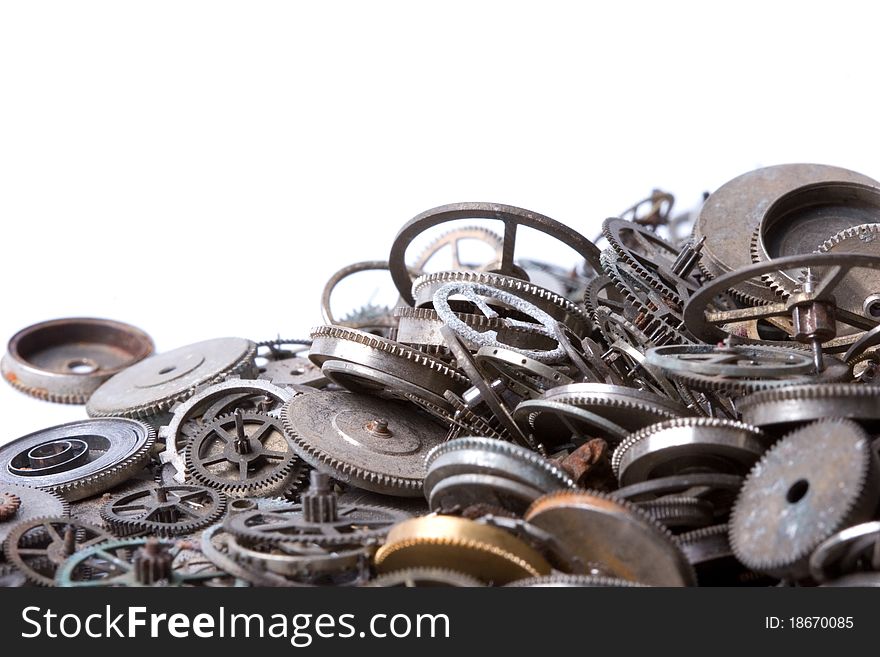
x: 199, y: 169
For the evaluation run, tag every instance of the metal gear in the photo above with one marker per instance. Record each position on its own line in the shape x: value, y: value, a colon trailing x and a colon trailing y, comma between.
x: 488, y: 553
x: 688, y: 445
x: 154, y: 385
x: 797, y: 404
x: 39, y: 547
x: 367, y: 442
x: 563, y: 580
x: 10, y: 503
x: 78, y: 459
x: 424, y: 577
x: 814, y: 481
x: 382, y: 365
x: 242, y: 453
x: 512, y: 217
x: 206, y: 405
x: 141, y: 562
x: 469, y: 471
x: 622, y: 539
x: 164, y: 511
x: 557, y: 306
x: 65, y: 360
x: 453, y: 239
x: 32, y: 503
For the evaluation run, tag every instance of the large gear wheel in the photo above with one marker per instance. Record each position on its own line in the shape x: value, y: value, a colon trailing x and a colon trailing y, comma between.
x: 566, y: 581
x: 424, y: 577
x: 797, y: 404
x: 812, y: 483
x: 615, y: 536
x: 164, y: 511
x: 241, y: 454
x: 453, y: 239
x: 78, y: 459
x: 154, y: 385
x: 367, y: 442
x: 40, y: 546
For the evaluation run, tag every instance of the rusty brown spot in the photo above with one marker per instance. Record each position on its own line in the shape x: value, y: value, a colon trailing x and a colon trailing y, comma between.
x: 590, y: 465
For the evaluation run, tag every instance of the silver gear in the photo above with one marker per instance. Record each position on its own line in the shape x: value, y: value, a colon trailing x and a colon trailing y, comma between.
x: 814, y: 481
x: 687, y: 445
x: 78, y: 459
x: 243, y: 453
x: 452, y: 238
x: 364, y: 441
x: 424, y: 577
x: 805, y: 403
x: 471, y: 471
x: 155, y: 384
x: 33, y: 503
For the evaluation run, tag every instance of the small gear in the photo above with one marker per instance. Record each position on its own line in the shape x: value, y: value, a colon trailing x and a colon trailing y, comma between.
x: 78, y: 459
x: 452, y: 239
x: 40, y: 546
x: 242, y: 453
x: 154, y: 385
x: 370, y: 443
x: 164, y: 510
x: 813, y: 482
x: 10, y: 503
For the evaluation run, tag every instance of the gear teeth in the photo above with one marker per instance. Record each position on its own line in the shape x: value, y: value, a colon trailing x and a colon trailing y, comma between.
x: 389, y: 347
x: 586, y: 581
x: 126, y: 527
x: 780, y: 285
x: 269, y: 481
x: 501, y: 447
x: 346, y: 472
x: 853, y: 232
x: 244, y: 367
x: 859, y: 506
x: 489, y: 236
x: 44, y: 395
x: 678, y: 423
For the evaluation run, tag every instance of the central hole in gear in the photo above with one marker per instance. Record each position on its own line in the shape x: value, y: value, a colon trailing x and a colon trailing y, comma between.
x: 167, y: 370
x: 81, y: 366
x: 874, y: 309
x: 797, y: 491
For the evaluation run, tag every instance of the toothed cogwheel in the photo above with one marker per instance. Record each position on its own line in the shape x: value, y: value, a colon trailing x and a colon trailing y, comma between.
x: 39, y: 547
x: 452, y: 239
x: 483, y: 471
x: 370, y: 443
x: 362, y: 362
x: 78, y: 459
x: 10, y: 503
x: 687, y: 445
x: 424, y: 577
x: 242, y: 454
x: 488, y: 553
x: 563, y: 580
x: 624, y: 540
x: 164, y: 511
x: 32, y: 503
x: 558, y: 307
x: 797, y: 404
x: 813, y: 482
x: 155, y: 384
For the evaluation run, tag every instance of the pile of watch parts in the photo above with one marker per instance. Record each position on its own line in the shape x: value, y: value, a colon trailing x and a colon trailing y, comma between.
x: 693, y: 403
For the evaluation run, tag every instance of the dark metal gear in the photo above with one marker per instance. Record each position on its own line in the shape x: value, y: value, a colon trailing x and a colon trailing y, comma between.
x: 813, y: 482
x: 39, y: 547
x: 241, y: 454
x: 164, y: 510
x: 424, y: 577
x: 32, y: 503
